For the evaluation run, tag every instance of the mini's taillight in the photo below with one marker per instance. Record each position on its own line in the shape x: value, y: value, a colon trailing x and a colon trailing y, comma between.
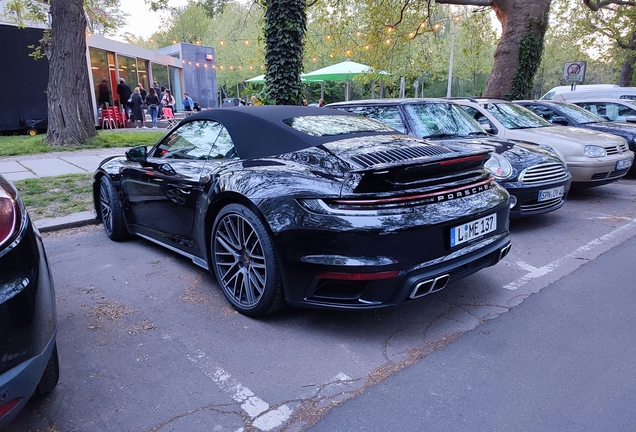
x: 10, y: 217
x: 8, y: 406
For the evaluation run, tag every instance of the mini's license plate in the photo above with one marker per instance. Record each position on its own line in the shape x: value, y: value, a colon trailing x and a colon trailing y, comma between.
x: 549, y: 194
x: 622, y: 164
x: 472, y: 230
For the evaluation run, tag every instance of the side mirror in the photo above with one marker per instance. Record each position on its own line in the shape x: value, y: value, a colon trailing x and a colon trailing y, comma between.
x: 560, y: 121
x: 137, y: 154
x: 631, y: 119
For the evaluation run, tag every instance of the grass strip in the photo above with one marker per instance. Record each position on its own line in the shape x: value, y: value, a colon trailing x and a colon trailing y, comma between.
x: 49, y: 197
x: 18, y: 145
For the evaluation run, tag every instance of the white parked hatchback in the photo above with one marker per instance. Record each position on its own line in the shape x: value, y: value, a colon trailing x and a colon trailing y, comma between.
x: 593, y: 158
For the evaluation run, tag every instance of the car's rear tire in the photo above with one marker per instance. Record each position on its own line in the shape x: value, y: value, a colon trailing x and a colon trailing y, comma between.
x: 111, y: 211
x: 51, y: 375
x: 244, y: 262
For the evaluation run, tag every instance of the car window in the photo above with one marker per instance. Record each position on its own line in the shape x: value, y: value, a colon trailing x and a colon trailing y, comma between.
x: 441, y: 119
x: 613, y: 111
x: 628, y: 97
x: 513, y: 116
x: 389, y: 115
x: 542, y: 111
x: 481, y: 119
x: 194, y: 140
x: 223, y: 147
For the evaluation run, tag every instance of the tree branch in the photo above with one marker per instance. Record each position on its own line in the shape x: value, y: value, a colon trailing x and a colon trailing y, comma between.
x: 595, y: 5
x: 469, y: 2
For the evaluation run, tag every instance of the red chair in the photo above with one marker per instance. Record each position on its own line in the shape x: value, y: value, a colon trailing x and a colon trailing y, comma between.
x: 108, y: 119
x: 167, y: 112
x: 120, y: 117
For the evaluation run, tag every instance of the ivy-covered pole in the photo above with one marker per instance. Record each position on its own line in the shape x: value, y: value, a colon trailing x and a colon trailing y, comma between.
x: 285, y: 27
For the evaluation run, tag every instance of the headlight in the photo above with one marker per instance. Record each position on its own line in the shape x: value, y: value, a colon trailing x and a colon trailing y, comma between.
x: 594, y: 151
x: 499, y: 166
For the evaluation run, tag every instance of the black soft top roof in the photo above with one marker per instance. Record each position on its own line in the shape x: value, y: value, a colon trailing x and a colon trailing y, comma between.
x: 259, y: 131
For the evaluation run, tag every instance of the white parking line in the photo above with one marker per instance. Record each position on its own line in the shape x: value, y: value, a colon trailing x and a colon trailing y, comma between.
x: 250, y: 403
x: 537, y: 272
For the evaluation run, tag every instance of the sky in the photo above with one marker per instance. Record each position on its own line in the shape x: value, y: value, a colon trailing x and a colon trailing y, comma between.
x: 142, y: 21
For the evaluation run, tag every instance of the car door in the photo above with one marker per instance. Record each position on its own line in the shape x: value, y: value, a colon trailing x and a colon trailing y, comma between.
x: 163, y: 192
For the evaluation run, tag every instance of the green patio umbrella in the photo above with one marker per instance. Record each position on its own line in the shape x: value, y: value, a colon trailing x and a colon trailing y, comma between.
x: 344, y: 71
x: 261, y: 79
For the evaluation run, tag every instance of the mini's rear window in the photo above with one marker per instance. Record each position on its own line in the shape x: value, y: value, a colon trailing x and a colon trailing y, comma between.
x: 331, y: 125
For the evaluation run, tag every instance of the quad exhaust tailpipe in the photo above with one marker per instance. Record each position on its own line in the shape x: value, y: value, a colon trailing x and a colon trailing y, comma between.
x: 429, y: 286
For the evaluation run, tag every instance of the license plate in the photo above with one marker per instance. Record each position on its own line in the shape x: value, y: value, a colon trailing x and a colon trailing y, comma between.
x: 549, y: 194
x: 622, y: 164
x: 472, y: 230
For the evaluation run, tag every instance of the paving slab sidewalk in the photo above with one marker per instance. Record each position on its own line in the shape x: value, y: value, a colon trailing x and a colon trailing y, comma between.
x: 15, y: 168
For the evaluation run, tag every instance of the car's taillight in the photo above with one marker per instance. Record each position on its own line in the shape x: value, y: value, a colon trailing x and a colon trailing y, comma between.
x: 10, y: 214
x: 8, y: 406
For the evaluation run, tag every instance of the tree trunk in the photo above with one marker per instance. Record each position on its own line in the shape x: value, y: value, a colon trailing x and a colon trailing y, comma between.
x: 285, y: 27
x: 519, y: 19
x: 627, y: 71
x: 71, y: 119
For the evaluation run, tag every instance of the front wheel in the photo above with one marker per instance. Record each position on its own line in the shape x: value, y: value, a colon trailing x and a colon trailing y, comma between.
x: 244, y: 262
x: 110, y: 210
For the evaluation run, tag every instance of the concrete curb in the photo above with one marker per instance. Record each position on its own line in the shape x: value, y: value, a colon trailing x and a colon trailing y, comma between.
x: 71, y: 221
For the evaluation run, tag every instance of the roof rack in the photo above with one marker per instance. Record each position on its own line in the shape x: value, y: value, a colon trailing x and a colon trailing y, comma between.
x: 460, y: 98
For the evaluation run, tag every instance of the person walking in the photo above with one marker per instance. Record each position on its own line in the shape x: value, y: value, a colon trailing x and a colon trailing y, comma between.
x: 137, y: 110
x: 153, y: 106
x: 124, y: 92
x: 188, y: 103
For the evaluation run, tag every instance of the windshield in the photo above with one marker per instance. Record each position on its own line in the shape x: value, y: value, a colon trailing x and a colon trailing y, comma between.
x: 441, y: 119
x: 580, y: 115
x: 513, y: 116
x: 331, y: 125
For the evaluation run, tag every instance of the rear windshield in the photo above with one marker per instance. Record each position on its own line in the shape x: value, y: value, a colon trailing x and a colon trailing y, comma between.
x: 332, y: 125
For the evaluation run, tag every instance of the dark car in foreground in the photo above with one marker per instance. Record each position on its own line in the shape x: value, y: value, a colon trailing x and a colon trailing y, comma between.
x: 28, y: 353
x: 569, y: 114
x: 536, y: 177
x: 309, y: 207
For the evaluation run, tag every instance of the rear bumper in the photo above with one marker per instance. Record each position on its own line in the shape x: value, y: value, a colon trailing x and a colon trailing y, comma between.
x: 425, y: 279
x: 20, y: 382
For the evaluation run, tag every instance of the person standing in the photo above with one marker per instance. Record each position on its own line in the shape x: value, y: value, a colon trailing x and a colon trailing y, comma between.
x: 103, y: 99
x: 124, y: 92
x: 137, y: 108
x: 142, y: 92
x: 153, y: 106
x: 188, y: 103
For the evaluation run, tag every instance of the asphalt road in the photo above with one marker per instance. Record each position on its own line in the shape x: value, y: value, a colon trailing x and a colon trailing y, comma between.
x: 147, y: 341
x: 561, y: 361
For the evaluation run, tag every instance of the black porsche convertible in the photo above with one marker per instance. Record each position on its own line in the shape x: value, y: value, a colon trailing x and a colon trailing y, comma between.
x: 309, y: 207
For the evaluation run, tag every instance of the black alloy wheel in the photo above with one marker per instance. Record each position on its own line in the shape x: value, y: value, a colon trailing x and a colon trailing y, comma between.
x: 110, y: 210
x: 245, y: 263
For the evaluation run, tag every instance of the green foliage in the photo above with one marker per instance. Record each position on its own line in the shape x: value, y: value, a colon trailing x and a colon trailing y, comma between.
x: 530, y: 52
x: 284, y: 28
x: 104, y: 17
